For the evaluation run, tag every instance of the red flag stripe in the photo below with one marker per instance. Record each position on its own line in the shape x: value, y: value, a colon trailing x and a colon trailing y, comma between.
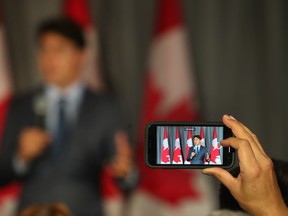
x: 78, y: 10
x: 158, y: 182
x: 168, y: 16
x: 4, y: 104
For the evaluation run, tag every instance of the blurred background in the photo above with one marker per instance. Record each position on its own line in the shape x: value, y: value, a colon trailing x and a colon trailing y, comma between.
x: 167, y: 60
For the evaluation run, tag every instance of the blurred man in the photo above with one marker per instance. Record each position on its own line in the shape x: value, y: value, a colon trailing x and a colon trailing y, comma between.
x: 58, y: 138
x: 197, y: 153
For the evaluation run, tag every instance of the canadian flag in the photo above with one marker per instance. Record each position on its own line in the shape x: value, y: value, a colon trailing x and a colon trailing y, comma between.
x: 202, y: 141
x: 165, y: 153
x: 9, y: 194
x: 189, y: 144
x: 177, y: 156
x: 202, y: 135
x: 215, y: 149
x: 169, y: 95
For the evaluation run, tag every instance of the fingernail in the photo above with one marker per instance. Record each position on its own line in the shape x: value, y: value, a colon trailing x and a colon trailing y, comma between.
x: 229, y: 117
x: 206, y: 172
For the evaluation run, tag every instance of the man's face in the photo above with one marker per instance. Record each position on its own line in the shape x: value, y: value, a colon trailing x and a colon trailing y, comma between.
x: 196, y: 141
x: 59, y: 59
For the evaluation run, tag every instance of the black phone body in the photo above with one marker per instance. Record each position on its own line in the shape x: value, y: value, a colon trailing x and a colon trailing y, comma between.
x: 176, y: 145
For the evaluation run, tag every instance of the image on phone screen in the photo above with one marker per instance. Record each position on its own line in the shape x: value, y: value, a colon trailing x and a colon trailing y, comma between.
x: 176, y: 145
x: 189, y: 145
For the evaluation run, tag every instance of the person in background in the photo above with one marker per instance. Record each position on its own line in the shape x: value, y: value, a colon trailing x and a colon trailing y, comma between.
x: 59, y: 137
x: 57, y: 209
x: 255, y: 188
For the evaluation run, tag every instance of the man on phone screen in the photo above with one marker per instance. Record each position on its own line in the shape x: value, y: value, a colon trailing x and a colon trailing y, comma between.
x: 197, y: 153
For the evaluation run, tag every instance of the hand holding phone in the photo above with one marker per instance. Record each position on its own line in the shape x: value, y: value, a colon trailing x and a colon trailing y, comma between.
x: 255, y: 188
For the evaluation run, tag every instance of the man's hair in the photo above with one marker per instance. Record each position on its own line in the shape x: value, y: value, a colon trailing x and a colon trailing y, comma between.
x: 197, y: 136
x: 64, y: 27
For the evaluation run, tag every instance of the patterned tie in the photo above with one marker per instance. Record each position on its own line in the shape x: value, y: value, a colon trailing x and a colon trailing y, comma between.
x: 61, y: 134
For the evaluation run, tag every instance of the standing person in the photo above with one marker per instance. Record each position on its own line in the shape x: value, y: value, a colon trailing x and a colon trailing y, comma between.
x: 197, y: 153
x: 59, y: 137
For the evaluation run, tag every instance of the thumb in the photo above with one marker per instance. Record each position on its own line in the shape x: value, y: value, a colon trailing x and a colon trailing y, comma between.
x: 222, y: 175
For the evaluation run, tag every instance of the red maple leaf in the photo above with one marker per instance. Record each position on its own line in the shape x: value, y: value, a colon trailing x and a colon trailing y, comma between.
x: 158, y: 182
x: 165, y: 155
x: 177, y: 155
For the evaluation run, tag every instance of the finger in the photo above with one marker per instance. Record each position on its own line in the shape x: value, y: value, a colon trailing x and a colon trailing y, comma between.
x: 119, y: 169
x: 245, y: 152
x: 122, y: 143
x: 42, y: 141
x: 223, y: 176
x: 240, y: 132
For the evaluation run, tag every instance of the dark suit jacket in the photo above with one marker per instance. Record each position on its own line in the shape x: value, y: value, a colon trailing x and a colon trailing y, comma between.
x: 198, y: 158
x: 74, y: 178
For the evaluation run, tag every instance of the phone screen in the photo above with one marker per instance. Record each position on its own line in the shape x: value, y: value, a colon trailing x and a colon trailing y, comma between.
x: 189, y: 145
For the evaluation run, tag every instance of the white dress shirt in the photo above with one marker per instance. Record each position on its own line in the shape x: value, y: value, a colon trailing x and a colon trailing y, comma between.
x: 73, y: 97
x: 197, y: 149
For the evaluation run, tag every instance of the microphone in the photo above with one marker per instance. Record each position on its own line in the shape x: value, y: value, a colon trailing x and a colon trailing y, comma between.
x: 39, y: 108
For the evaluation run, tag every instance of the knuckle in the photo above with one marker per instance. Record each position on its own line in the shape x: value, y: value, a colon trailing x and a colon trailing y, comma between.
x: 244, y: 142
x: 254, y: 135
x: 267, y: 164
x: 255, y: 138
x: 250, y: 138
x: 255, y: 172
x: 235, y: 125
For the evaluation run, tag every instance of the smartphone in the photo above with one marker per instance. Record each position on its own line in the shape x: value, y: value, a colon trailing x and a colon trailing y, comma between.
x: 187, y: 145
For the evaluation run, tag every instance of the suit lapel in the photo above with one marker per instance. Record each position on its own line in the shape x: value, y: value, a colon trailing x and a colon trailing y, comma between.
x: 87, y: 112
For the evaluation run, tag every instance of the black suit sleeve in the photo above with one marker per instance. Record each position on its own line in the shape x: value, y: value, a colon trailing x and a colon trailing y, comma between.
x: 118, y: 124
x: 114, y: 124
x: 203, y: 154
x: 8, y: 145
x: 19, y: 117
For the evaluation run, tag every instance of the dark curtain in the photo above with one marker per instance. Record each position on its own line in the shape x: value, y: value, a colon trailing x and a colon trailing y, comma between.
x: 240, y: 53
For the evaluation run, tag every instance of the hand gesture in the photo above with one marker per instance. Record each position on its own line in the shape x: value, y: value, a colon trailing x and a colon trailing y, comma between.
x: 32, y: 144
